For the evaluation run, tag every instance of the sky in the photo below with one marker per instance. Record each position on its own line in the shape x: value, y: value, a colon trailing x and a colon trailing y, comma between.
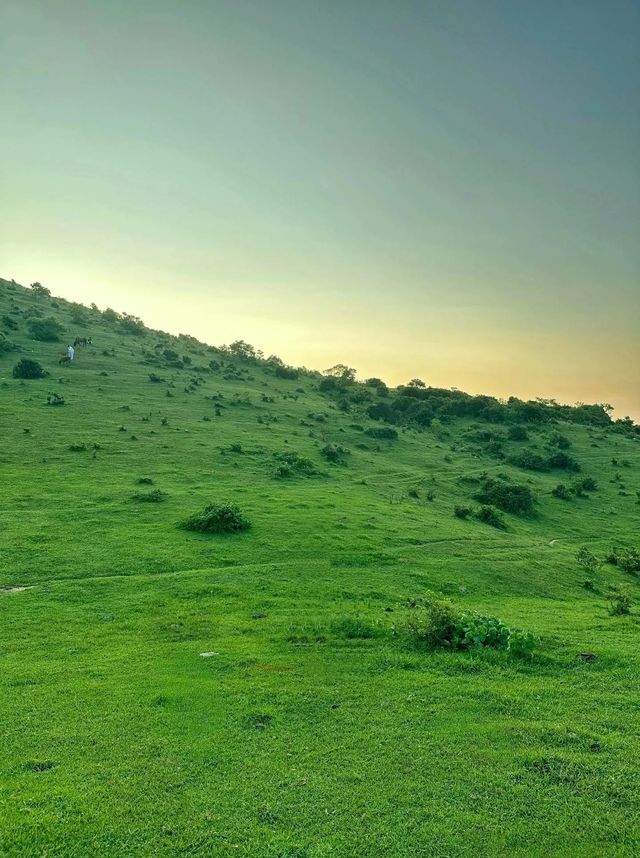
x: 444, y: 189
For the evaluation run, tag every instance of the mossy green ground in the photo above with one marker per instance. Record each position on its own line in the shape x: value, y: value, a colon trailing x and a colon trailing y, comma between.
x: 293, y: 738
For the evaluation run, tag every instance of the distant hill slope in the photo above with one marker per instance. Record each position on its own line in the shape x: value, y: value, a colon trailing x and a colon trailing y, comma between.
x: 360, y: 498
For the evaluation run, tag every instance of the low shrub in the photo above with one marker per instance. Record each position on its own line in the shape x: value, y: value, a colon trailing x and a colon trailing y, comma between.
x: 46, y: 330
x: 432, y: 621
x: 620, y: 601
x: 627, y: 559
x: 517, y: 433
x: 287, y: 372
x: 55, y: 399
x: 587, y: 560
x: 507, y: 496
x: 563, y: 461
x: 292, y: 463
x: 490, y: 515
x: 27, y: 368
x: 6, y: 345
x: 529, y: 460
x: 382, y: 433
x: 559, y: 441
x: 436, y: 622
x: 561, y: 491
x: 9, y: 323
x: 155, y: 496
x: 155, y: 379
x: 334, y: 453
x: 217, y: 518
x: 587, y: 484
x: 144, y: 481
x: 77, y: 448
x: 462, y: 511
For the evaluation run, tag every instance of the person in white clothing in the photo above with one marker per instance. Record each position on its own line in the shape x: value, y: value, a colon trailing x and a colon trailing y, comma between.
x: 71, y: 352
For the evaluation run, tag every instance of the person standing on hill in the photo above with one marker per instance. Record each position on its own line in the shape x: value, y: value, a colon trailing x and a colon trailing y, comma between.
x: 71, y: 352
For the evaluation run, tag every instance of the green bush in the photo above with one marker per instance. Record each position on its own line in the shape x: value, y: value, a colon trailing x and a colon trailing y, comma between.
x: 620, y: 601
x: 45, y: 330
x: 287, y: 372
x: 507, y: 496
x: 382, y: 433
x: 432, y: 621
x: 55, y: 399
x: 155, y: 496
x: 217, y: 518
x: 587, y: 560
x: 334, y: 452
x: 517, y: 433
x: 490, y: 515
x: 292, y: 463
x: 561, y: 491
x: 559, y: 441
x: 529, y: 460
x: 9, y: 323
x: 27, y: 368
x: 6, y: 345
x: 462, y: 511
x: 627, y: 559
x: 132, y: 325
x: 587, y: 484
x: 436, y: 622
x: 563, y: 461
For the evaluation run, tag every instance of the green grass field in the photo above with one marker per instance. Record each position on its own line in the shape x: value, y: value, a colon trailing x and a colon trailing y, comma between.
x: 314, y: 725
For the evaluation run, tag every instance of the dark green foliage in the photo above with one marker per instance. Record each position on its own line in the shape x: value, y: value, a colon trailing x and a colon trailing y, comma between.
x: 55, y: 399
x: 40, y: 291
x: 46, y: 330
x: 382, y: 433
x: 132, y: 325
x: 436, y: 622
x: 292, y: 464
x: 517, y: 433
x: 27, y: 368
x: 587, y: 484
x: 155, y: 496
x: 78, y: 448
x: 334, y: 453
x: 627, y: 559
x: 529, y: 460
x: 287, y: 372
x: 507, y: 496
x: 587, y: 560
x: 144, y: 481
x: 9, y: 323
x: 109, y: 315
x: 620, y: 601
x: 217, y: 518
x: 156, y: 379
x: 561, y: 491
x: 490, y: 515
x: 563, y: 461
x: 432, y: 620
x: 6, y: 345
x: 379, y: 385
x: 559, y: 441
x: 462, y: 511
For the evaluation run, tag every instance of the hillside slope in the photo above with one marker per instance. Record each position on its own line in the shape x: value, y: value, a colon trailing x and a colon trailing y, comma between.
x: 314, y: 727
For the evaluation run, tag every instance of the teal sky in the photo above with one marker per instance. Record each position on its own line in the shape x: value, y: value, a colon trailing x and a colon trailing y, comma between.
x: 449, y: 190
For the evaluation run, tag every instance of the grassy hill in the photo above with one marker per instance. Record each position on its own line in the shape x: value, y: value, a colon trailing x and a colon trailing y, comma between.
x: 168, y: 692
